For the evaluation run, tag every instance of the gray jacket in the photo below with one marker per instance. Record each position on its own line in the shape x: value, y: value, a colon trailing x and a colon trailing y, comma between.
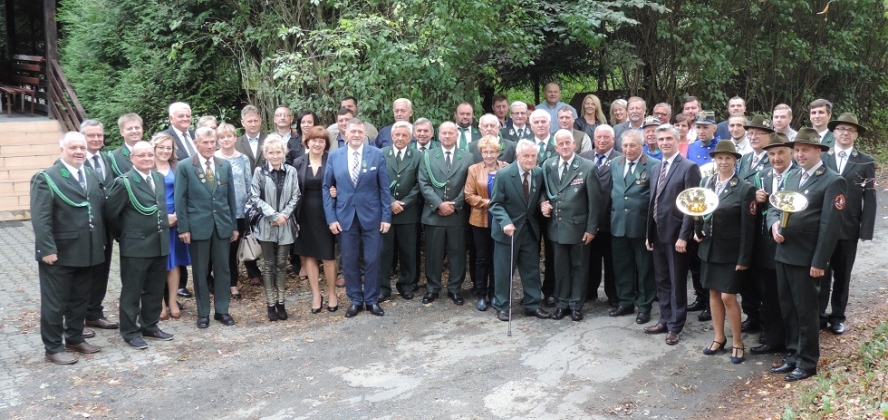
x: 271, y: 209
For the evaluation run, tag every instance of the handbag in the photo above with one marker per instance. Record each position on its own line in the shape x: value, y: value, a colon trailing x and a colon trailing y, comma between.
x: 249, y: 248
x: 254, y: 212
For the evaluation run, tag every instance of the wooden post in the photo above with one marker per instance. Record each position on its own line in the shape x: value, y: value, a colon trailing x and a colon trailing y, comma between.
x: 52, y: 43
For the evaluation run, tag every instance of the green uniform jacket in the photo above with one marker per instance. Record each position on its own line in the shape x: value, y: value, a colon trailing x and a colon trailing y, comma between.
x: 811, y: 234
x: 63, y: 229
x: 200, y: 208
x: 508, y: 205
x: 575, y: 198
x: 454, y: 180
x: 729, y: 231
x: 109, y: 173
x: 511, y: 133
x: 404, y: 185
x: 120, y: 160
x: 631, y: 196
x: 746, y: 172
x: 140, y: 235
x: 433, y: 144
x: 829, y: 139
x: 859, y: 217
x: 765, y: 248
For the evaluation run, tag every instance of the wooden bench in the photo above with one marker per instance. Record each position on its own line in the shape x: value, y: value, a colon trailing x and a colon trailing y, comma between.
x: 26, y: 71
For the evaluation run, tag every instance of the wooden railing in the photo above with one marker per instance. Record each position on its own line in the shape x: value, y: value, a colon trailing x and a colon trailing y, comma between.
x: 63, y: 103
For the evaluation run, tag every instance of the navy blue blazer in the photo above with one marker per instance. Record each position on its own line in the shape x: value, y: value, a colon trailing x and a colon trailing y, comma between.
x: 370, y: 199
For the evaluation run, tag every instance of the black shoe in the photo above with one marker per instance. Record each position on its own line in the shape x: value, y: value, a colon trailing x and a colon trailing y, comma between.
x: 784, y: 368
x: 502, y: 315
x: 225, y: 319
x: 709, y: 351
x: 456, y: 298
x: 643, y: 318
x: 560, y: 313
x: 613, y: 303
x: 157, y: 335
x: 698, y: 305
x: 798, y: 374
x: 313, y: 310
x: 282, y: 310
x: 539, y: 313
x: 837, y: 328
x: 407, y: 295
x: 375, y: 309
x: 762, y: 339
x: 184, y: 293
x: 353, y: 310
x: 385, y: 298
x: 576, y: 316
x: 705, y: 316
x: 137, y: 343
x: 749, y: 326
x: 766, y: 349
x: 272, y: 313
x: 481, y: 305
x: 738, y: 355
x: 550, y: 301
x: 429, y: 297
x: 621, y: 310
x: 203, y: 322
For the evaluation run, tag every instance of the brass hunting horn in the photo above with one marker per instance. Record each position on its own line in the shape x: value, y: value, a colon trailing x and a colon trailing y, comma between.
x: 697, y: 202
x: 788, y: 202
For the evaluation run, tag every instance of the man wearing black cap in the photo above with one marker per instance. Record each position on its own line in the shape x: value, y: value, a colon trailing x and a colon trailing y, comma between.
x: 858, y: 219
x: 803, y: 252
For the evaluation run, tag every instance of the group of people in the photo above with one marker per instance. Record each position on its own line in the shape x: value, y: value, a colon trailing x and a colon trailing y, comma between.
x: 594, y: 198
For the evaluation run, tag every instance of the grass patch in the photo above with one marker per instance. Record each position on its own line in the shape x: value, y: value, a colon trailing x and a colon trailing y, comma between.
x: 854, y: 388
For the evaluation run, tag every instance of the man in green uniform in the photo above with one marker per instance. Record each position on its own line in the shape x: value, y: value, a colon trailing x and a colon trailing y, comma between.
x: 442, y: 178
x: 136, y: 211
x: 205, y: 211
x: 514, y: 204
x: 574, y: 195
x: 69, y: 237
x: 804, y: 247
x: 402, y: 164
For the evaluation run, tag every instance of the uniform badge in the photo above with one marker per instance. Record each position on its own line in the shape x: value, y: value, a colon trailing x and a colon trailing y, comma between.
x: 752, y: 208
x: 840, y: 202
x: 819, y: 171
x: 734, y: 182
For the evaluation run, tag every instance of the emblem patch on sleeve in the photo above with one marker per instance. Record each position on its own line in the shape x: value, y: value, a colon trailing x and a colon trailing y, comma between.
x: 840, y: 202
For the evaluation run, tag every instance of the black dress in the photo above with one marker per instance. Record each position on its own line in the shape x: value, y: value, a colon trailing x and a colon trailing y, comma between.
x: 315, y: 239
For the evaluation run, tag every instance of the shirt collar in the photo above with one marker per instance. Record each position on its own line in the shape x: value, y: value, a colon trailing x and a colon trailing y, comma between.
x: 451, y: 150
x: 605, y: 154
x: 142, y: 174
x: 72, y: 169
x: 89, y: 155
x: 397, y: 150
x: 814, y: 168
x: 823, y: 134
x: 839, y: 149
x: 561, y: 161
x: 360, y: 149
x: 203, y: 160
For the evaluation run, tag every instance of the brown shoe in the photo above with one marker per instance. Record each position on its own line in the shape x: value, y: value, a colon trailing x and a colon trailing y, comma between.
x: 340, y: 281
x: 255, y: 281
x: 83, y: 347
x: 61, y: 358
x: 102, y: 323
x: 88, y: 333
x: 671, y: 338
x: 655, y: 329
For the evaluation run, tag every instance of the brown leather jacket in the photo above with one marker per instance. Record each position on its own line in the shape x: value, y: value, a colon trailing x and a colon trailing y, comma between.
x: 476, y: 193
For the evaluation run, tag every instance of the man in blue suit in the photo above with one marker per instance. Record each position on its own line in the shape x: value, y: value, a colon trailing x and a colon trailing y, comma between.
x: 360, y: 213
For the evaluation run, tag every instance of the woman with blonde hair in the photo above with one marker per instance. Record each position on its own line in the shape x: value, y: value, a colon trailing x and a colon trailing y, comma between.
x: 479, y: 184
x: 165, y: 164
x: 592, y: 115
x: 618, y: 113
x: 275, y: 191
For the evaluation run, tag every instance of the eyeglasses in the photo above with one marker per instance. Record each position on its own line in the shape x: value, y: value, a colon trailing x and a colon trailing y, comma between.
x: 845, y: 130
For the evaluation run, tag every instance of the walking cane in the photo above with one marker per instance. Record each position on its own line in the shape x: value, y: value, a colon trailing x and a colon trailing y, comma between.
x: 511, y: 279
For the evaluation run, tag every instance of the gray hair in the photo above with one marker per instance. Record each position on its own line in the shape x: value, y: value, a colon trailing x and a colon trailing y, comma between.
x: 540, y: 113
x: 523, y: 144
x: 518, y: 104
x: 403, y: 124
x: 423, y: 120
x: 667, y: 127
x: 631, y: 135
x: 175, y: 106
x: 71, y: 136
x: 274, y: 140
x: 204, y: 132
x: 563, y: 133
x: 404, y: 100
x: 91, y: 123
x: 604, y: 127
x: 487, y: 117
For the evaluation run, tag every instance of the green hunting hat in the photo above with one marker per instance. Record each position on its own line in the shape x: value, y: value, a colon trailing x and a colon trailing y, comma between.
x: 810, y: 136
x: 761, y: 122
x: 847, y: 118
x: 777, y: 140
x: 725, y: 146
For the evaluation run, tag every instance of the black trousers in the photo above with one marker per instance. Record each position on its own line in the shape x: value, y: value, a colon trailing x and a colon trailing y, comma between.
x: 839, y: 275
x: 750, y: 296
x: 769, y: 312
x: 694, y: 267
x: 99, y: 285
x: 798, y: 304
x: 141, y: 293
x: 601, y: 254
x: 482, y: 276
x: 64, y: 298
x: 399, y: 249
x: 671, y: 276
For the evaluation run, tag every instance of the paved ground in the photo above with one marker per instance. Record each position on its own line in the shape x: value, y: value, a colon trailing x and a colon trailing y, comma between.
x: 437, y: 361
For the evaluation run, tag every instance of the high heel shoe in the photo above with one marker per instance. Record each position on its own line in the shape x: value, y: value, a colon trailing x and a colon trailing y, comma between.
x: 333, y: 308
x: 738, y: 359
x: 709, y: 351
x: 318, y: 309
